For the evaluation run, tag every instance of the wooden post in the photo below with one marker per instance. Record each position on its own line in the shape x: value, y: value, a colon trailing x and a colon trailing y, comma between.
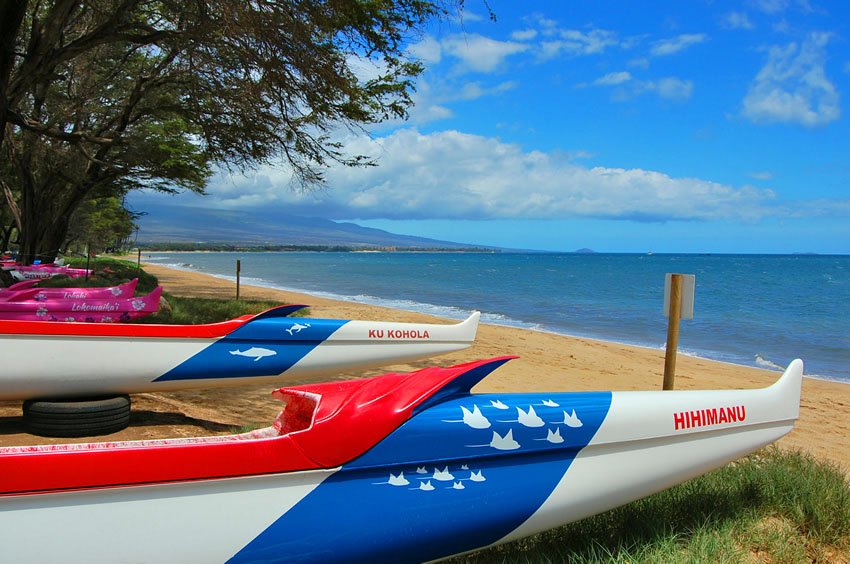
x: 88, y: 259
x: 238, y: 270
x: 673, y: 330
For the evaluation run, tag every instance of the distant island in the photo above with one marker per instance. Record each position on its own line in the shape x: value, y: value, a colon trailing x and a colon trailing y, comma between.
x: 585, y: 252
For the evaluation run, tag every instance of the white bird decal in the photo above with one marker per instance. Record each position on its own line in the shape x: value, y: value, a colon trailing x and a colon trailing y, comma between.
x: 443, y: 475
x: 399, y: 480
x: 572, y: 420
x: 529, y: 418
x: 504, y: 443
x: 475, y: 418
x: 555, y: 437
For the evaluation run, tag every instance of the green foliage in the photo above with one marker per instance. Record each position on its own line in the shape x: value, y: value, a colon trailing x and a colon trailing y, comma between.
x: 100, y: 223
x: 106, y: 272
x: 780, y: 506
x: 108, y: 96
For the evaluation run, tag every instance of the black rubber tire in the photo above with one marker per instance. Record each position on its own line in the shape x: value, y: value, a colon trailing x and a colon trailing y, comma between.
x: 83, y: 417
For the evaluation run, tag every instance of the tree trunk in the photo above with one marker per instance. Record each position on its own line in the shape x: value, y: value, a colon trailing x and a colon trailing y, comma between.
x: 46, y: 208
x: 42, y: 234
x: 5, y: 237
x: 11, y: 16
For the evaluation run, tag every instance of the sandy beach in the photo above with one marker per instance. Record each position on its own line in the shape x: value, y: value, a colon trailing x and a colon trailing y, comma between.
x: 547, y: 362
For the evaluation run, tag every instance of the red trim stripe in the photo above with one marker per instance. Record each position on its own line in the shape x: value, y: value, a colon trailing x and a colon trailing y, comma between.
x: 152, y: 330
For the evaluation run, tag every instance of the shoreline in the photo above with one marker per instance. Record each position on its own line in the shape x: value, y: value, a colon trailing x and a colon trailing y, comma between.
x: 525, y: 326
x: 548, y: 362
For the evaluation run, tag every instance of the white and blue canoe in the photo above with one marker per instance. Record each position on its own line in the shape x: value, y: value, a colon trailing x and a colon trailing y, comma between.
x: 396, y: 468
x: 66, y: 360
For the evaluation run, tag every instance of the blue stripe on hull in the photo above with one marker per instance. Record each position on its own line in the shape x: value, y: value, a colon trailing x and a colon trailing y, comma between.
x: 261, y: 347
x: 441, y: 484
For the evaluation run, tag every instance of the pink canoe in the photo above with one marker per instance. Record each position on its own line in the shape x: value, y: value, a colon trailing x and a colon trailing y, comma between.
x: 37, y: 271
x: 90, y: 310
x: 23, y: 291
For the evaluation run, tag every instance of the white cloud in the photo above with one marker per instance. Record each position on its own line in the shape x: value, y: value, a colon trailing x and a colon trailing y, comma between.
x: 575, y: 42
x: 475, y: 90
x: 627, y: 88
x: 430, y: 99
x: 762, y: 175
x: 770, y: 6
x: 524, y: 34
x: 464, y: 14
x: 546, y: 25
x: 428, y: 51
x: 792, y: 87
x: 481, y: 54
x: 456, y: 175
x: 613, y: 78
x: 427, y: 106
x: 677, y: 44
x: 736, y: 20
x: 671, y: 88
x: 639, y: 63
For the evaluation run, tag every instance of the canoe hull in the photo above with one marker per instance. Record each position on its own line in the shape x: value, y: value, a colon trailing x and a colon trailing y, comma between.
x: 26, y: 292
x: 95, y: 310
x: 262, y: 351
x: 463, y: 472
x: 37, y: 272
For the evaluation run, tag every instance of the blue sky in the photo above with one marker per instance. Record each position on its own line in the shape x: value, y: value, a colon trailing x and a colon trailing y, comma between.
x: 697, y: 126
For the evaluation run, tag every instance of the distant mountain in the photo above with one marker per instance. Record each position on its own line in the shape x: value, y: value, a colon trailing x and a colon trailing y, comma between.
x: 183, y: 224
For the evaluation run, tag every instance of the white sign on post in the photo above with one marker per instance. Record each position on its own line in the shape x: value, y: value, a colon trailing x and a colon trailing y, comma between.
x: 688, y: 284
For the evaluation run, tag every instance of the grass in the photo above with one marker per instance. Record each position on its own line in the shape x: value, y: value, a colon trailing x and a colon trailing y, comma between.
x: 105, y: 272
x: 192, y: 311
x: 772, y: 506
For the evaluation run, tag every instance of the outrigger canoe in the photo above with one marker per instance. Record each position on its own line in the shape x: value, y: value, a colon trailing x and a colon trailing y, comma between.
x: 24, y: 291
x: 397, y: 468
x: 40, y: 271
x: 77, y: 359
x: 90, y: 310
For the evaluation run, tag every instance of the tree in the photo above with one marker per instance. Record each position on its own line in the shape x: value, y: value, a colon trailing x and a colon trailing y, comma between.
x: 100, y: 224
x: 230, y: 83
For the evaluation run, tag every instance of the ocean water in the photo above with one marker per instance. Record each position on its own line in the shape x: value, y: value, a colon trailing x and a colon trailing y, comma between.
x: 755, y: 310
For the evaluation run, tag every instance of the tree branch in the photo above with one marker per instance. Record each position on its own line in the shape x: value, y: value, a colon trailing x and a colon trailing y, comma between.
x: 13, y: 205
x: 50, y: 131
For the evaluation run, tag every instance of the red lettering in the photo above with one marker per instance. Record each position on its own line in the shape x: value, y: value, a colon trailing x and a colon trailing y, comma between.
x: 400, y: 334
x: 709, y: 416
x: 696, y: 421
